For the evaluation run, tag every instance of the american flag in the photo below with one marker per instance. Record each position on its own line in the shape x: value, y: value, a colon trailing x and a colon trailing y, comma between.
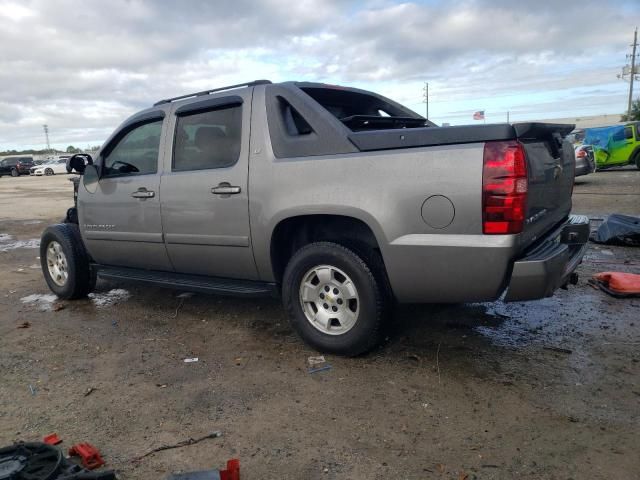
x: 479, y: 115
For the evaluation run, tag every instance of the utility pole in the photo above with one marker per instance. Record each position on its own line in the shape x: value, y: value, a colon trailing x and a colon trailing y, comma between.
x: 46, y: 135
x: 633, y: 71
x: 507, y: 116
x: 425, y: 98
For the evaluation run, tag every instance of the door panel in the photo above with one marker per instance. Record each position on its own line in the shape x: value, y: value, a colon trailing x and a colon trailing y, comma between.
x: 204, y: 190
x: 621, y: 146
x: 120, y: 221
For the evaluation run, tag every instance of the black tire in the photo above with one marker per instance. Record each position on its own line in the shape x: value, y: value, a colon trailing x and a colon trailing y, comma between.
x: 81, y: 279
x: 637, y: 160
x: 48, y: 171
x: 373, y: 298
x: 14, y: 172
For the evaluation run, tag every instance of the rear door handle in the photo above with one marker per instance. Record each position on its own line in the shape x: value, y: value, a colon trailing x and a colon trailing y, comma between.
x: 225, y: 188
x: 143, y: 193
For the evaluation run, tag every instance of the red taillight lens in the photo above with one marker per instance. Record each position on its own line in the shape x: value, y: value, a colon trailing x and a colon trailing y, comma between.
x: 581, y: 153
x: 504, y: 188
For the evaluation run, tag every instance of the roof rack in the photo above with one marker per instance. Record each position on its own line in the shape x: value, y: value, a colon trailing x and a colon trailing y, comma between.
x: 207, y: 92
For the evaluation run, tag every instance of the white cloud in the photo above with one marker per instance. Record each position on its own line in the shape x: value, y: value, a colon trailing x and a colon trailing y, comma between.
x: 83, y: 66
x: 14, y: 11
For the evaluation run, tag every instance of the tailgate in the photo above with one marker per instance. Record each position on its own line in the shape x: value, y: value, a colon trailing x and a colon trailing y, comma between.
x: 550, y: 170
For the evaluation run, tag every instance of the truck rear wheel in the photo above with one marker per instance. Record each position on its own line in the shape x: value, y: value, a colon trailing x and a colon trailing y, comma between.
x: 65, y: 262
x: 335, y: 301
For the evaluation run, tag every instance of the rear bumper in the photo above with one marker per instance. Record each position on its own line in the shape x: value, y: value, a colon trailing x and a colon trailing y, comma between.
x: 583, y: 167
x: 550, y: 264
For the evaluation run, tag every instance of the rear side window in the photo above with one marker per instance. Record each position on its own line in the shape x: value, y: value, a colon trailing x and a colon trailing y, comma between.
x: 628, y: 132
x: 210, y: 139
x: 363, y: 111
x: 136, y: 153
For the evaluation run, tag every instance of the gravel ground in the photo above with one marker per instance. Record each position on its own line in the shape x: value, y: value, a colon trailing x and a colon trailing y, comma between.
x: 546, y: 389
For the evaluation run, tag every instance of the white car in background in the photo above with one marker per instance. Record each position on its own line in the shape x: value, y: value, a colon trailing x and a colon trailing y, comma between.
x: 53, y: 167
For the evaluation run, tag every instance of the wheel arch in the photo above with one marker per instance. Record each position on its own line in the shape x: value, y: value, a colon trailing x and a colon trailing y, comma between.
x: 293, y: 232
x: 635, y: 156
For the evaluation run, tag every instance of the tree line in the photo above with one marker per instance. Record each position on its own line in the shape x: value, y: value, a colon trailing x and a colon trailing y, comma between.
x: 44, y: 151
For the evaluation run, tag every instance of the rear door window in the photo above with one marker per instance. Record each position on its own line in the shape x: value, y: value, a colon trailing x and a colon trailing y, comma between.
x: 206, y: 140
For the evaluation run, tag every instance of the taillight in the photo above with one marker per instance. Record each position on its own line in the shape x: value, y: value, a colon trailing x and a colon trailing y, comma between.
x: 504, y: 188
x: 581, y: 153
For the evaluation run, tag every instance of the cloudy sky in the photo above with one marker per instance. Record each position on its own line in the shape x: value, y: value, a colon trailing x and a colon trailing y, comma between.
x: 82, y: 66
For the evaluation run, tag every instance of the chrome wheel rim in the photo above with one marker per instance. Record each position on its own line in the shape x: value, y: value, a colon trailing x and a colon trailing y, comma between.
x: 57, y: 264
x: 329, y: 300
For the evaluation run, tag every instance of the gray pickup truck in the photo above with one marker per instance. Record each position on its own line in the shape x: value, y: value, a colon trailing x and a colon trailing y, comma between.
x: 339, y: 200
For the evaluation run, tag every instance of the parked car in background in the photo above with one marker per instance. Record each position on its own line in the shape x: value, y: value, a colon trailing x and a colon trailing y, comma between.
x: 16, y: 166
x: 51, y: 168
x: 615, y: 146
x: 585, y: 161
x: 576, y: 137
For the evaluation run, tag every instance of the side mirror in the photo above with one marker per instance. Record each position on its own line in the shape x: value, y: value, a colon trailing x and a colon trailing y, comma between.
x: 78, y: 162
x: 90, y: 178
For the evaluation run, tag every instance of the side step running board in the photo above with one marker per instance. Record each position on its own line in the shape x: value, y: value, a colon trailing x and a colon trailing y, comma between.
x: 191, y: 283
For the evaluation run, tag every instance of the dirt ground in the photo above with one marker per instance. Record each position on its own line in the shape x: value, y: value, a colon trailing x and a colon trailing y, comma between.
x: 541, y: 390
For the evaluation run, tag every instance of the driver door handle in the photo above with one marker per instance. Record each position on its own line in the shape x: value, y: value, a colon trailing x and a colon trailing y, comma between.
x: 143, y: 193
x: 225, y: 189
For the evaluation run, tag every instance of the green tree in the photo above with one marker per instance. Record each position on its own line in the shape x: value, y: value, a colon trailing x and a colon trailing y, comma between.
x: 72, y: 149
x: 635, y: 112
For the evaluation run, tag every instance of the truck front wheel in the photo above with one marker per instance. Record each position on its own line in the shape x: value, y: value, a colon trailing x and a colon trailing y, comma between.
x: 65, y: 262
x: 335, y: 301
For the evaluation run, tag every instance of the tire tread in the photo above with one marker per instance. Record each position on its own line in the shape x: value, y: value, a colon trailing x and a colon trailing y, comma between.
x: 82, y: 279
